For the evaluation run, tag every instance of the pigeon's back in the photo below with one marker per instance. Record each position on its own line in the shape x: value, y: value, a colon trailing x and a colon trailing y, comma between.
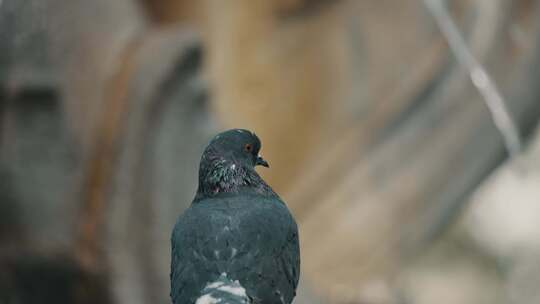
x: 249, y: 238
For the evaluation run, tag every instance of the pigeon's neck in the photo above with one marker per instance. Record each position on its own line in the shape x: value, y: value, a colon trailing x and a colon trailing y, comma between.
x: 218, y: 175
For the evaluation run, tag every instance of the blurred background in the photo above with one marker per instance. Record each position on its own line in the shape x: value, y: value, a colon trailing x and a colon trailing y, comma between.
x: 379, y: 141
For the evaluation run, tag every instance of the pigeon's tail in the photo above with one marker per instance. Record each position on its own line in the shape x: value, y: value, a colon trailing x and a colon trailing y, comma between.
x: 223, y: 291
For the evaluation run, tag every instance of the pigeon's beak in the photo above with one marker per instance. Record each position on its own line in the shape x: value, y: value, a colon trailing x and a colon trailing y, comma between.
x: 261, y: 162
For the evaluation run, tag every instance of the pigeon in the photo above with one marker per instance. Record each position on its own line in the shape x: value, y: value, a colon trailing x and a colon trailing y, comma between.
x: 237, y: 242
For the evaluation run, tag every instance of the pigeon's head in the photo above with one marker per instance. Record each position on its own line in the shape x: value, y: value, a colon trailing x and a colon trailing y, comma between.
x: 237, y: 146
x: 228, y: 165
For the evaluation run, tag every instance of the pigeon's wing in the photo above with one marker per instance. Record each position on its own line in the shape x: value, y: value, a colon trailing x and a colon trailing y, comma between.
x: 181, y: 264
x: 191, y: 269
x: 290, y: 256
x: 205, y: 245
x: 268, y: 259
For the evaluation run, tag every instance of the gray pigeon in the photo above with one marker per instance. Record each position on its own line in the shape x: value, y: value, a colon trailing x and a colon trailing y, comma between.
x: 237, y: 242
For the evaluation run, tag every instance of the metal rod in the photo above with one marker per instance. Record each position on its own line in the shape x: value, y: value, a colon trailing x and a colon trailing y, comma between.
x: 479, y: 77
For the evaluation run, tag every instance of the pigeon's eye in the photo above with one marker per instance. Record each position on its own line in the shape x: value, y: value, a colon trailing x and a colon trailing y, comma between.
x: 248, y: 147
